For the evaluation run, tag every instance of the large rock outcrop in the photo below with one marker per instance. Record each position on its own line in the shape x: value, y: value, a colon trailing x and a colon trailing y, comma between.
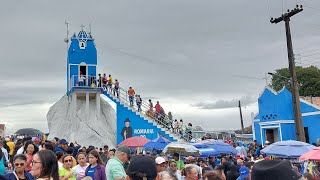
x: 71, y: 123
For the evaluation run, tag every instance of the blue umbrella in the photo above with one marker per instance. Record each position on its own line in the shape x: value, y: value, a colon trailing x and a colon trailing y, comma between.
x: 158, y: 143
x: 287, y: 149
x: 205, y: 150
x: 222, y: 148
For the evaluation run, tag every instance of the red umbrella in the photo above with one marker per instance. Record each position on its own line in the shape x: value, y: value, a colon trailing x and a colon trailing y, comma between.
x: 313, y: 155
x: 135, y: 141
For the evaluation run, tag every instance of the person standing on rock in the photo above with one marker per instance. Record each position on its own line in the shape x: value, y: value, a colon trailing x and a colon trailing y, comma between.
x: 131, y: 94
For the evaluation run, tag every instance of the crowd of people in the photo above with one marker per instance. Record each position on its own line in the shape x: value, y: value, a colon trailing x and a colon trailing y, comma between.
x: 28, y: 159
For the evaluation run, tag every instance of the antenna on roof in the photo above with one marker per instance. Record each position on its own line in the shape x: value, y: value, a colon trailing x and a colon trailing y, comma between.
x: 82, y: 26
x: 66, y: 40
x: 90, y: 28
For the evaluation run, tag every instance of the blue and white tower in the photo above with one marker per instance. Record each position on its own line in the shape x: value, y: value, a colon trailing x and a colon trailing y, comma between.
x: 82, y: 115
x: 82, y: 59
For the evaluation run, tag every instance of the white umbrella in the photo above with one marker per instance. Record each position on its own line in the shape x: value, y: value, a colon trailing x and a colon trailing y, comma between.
x: 181, y: 148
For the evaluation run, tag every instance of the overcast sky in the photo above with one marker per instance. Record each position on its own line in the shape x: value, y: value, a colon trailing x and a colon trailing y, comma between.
x: 198, y: 58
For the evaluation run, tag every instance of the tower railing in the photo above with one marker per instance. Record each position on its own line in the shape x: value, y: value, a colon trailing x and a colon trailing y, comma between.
x: 83, y: 81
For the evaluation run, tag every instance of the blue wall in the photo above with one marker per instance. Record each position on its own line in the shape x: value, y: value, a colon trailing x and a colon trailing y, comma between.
x: 313, y: 124
x: 77, y: 55
x: 278, y: 107
x: 140, y: 127
x: 288, y: 131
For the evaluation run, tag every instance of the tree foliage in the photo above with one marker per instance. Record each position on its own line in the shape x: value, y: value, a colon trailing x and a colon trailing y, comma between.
x: 308, y: 80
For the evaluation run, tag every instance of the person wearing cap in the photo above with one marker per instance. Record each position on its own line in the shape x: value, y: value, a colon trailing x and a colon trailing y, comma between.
x: 273, y: 169
x: 62, y: 147
x: 161, y: 164
x: 142, y: 167
x: 244, y: 173
x: 115, y: 169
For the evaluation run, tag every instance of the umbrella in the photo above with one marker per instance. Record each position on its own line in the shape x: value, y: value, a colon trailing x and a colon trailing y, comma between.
x: 313, y: 155
x: 287, y: 149
x: 158, y: 143
x: 28, y: 131
x: 182, y: 148
x: 205, y: 150
x: 222, y: 148
x: 135, y: 141
x: 209, y: 141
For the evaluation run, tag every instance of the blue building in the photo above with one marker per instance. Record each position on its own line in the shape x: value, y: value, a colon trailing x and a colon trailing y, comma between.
x: 82, y: 85
x: 82, y: 59
x: 275, y: 120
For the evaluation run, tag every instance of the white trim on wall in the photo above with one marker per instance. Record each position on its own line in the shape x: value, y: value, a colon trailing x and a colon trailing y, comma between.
x: 270, y: 127
x: 311, y: 113
x: 280, y: 131
x: 83, y: 64
x: 277, y: 122
x: 308, y: 103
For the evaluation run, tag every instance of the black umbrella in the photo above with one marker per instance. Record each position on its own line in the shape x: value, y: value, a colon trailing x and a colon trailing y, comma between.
x: 28, y: 131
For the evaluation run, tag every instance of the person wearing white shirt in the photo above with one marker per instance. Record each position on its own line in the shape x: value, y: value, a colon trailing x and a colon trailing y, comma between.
x: 80, y: 169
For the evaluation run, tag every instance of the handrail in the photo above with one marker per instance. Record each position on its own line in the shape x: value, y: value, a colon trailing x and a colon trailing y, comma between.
x: 122, y: 94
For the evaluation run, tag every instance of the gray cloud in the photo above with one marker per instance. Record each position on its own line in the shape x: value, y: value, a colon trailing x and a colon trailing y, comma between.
x: 223, y: 104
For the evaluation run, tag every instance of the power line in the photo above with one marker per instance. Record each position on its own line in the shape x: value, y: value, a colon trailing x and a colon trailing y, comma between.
x: 140, y: 57
x: 309, y: 51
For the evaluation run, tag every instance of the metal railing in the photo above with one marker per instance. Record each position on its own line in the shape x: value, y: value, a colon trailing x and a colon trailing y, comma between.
x: 83, y: 81
x: 122, y: 95
x: 145, y: 110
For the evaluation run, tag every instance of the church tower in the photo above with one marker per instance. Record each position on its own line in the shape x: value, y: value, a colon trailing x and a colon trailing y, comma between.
x: 82, y: 60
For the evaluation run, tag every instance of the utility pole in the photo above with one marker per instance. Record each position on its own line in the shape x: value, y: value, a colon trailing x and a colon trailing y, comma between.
x: 241, y: 119
x: 294, y: 83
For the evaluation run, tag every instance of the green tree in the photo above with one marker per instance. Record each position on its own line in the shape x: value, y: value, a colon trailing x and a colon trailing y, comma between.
x: 308, y: 80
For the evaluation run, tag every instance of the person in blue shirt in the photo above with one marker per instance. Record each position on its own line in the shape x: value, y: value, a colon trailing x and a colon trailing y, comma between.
x: 62, y: 147
x: 19, y: 162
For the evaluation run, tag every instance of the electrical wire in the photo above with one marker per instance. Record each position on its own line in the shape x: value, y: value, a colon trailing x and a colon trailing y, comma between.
x: 142, y: 58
